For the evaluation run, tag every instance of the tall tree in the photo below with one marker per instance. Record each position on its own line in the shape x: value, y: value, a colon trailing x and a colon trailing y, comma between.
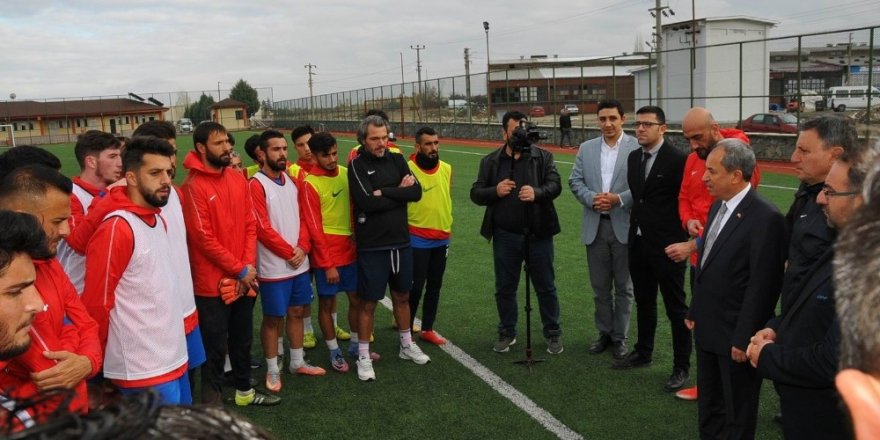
x: 200, y: 110
x: 242, y: 91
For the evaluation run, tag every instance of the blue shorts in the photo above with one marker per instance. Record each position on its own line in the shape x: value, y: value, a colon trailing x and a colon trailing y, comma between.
x: 174, y: 392
x: 277, y: 296
x: 392, y: 268
x: 195, y: 349
x: 347, y: 280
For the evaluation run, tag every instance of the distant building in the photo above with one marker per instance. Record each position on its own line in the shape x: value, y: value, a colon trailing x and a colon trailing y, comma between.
x: 719, y: 74
x: 231, y: 114
x: 820, y: 68
x: 61, y: 121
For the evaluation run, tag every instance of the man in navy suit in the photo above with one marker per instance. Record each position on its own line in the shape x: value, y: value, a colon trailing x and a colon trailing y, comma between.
x: 739, y: 273
x: 598, y: 181
x: 654, y: 174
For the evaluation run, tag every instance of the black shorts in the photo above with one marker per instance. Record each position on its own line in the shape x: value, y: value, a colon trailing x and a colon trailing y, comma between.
x: 388, y: 267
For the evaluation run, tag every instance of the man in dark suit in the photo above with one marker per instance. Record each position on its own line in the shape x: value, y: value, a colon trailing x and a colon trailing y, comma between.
x: 654, y: 174
x: 739, y: 272
x: 798, y: 351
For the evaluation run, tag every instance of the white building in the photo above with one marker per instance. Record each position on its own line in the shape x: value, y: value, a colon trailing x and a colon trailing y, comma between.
x: 722, y: 69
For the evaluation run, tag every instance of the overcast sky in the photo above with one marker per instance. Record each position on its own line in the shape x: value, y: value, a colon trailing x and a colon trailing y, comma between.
x: 74, y: 48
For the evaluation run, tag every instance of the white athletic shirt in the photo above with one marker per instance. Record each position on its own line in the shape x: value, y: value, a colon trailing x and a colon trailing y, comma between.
x: 73, y: 262
x: 145, y: 338
x: 173, y: 215
x: 283, y: 207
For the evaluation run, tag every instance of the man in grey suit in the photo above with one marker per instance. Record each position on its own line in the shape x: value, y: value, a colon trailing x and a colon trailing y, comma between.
x: 598, y: 181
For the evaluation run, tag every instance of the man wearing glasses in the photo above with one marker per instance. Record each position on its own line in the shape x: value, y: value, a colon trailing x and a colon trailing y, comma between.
x: 799, y: 349
x: 654, y: 174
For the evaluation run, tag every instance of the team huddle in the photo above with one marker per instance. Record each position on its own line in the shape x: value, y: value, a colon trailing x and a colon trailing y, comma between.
x: 140, y: 282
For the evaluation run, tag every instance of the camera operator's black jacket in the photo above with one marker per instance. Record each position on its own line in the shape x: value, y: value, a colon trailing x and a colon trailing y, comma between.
x: 547, y: 185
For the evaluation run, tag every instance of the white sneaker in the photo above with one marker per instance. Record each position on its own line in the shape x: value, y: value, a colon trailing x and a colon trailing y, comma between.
x: 412, y: 352
x: 365, y: 369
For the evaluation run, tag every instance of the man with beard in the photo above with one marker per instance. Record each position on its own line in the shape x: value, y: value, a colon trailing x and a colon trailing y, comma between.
x: 430, y: 226
x: 21, y: 240
x: 138, y: 309
x: 703, y: 132
x: 222, y: 237
x: 654, y: 173
x: 799, y: 349
x: 67, y: 350
x: 99, y: 156
x: 282, y: 258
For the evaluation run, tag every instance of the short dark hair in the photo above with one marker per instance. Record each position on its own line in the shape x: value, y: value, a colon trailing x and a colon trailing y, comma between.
x: 93, y: 142
x: 657, y: 111
x: 133, y: 158
x: 425, y: 131
x: 21, y: 233
x: 322, y: 142
x: 834, y: 131
x: 515, y: 115
x: 250, y: 146
x: 610, y: 103
x: 160, y: 129
x: 33, y: 182
x: 377, y: 112
x: 231, y: 138
x: 204, y: 130
x: 300, y: 131
x: 269, y: 134
x: 27, y: 155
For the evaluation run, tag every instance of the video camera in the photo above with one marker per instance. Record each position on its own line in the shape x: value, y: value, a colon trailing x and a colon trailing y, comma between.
x: 525, y: 135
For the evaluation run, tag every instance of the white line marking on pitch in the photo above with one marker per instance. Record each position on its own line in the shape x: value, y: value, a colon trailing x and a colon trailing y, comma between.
x: 498, y: 384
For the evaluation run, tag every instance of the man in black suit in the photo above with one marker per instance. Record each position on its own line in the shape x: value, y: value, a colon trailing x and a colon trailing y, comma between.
x: 654, y: 176
x: 740, y: 262
x: 798, y: 351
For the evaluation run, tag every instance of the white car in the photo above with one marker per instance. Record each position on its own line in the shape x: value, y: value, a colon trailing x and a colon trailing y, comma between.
x: 184, y: 125
x: 572, y: 109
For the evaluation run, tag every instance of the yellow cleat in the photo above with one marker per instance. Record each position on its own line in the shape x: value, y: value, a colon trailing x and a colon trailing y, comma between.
x: 341, y: 334
x: 309, y: 340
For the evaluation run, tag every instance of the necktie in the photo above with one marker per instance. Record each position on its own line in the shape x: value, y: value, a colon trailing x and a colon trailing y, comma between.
x: 713, y: 231
x: 643, y: 168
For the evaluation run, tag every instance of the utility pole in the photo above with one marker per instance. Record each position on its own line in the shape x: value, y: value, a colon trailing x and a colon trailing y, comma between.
x: 419, y: 50
x: 402, y: 90
x: 311, y: 66
x: 849, y: 62
x: 467, y: 81
x: 656, y: 12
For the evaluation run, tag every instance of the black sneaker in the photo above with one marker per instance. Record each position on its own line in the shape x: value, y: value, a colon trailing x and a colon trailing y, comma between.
x: 632, y: 360
x: 502, y: 345
x: 554, y: 344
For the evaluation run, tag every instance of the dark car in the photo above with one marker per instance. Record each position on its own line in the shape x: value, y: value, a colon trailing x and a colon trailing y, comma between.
x: 537, y: 112
x: 769, y: 123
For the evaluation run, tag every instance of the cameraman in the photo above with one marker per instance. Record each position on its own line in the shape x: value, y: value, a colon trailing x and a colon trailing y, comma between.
x: 518, y: 182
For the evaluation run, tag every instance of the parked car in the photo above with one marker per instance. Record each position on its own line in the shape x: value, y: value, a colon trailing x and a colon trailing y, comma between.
x: 537, y: 112
x: 851, y: 97
x: 769, y: 123
x: 572, y: 109
x: 184, y: 125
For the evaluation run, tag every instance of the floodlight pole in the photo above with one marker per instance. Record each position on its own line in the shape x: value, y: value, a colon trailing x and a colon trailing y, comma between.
x: 488, y: 95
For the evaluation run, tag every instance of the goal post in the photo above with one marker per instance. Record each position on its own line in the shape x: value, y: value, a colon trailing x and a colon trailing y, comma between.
x: 7, y: 135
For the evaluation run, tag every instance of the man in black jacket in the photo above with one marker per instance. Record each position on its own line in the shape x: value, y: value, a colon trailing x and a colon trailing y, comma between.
x: 654, y: 175
x: 799, y: 349
x: 517, y: 186
x: 381, y: 184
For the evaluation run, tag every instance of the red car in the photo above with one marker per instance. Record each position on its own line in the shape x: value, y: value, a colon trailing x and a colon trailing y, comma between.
x: 769, y: 123
x: 537, y: 112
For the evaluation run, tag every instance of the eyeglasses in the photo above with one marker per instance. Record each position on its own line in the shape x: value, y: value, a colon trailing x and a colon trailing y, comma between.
x: 830, y: 192
x: 646, y: 124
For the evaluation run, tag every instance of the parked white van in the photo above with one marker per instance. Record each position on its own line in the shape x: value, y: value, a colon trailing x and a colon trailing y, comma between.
x: 849, y: 97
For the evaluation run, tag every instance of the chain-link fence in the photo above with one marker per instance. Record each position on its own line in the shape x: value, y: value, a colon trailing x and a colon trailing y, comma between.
x: 732, y: 68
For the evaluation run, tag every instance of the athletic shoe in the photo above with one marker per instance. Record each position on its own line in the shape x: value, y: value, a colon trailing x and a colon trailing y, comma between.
x: 307, y: 369
x: 341, y: 334
x: 432, y: 337
x: 687, y: 393
x: 502, y: 345
x: 554, y: 344
x: 353, y: 352
x: 256, y: 363
x: 273, y: 382
x: 309, y: 340
x: 339, y: 364
x: 415, y: 328
x: 256, y: 399
x: 412, y: 352
x: 365, y: 369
